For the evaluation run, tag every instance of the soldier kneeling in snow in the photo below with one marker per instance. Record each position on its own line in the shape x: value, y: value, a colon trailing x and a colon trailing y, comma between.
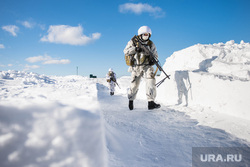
x: 141, y: 66
x: 111, y: 79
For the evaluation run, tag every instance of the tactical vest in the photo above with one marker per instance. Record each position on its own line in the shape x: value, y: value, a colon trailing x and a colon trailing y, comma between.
x: 130, y: 58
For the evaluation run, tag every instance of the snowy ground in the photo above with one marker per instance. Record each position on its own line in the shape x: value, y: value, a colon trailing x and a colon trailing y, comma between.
x: 73, y: 121
x: 163, y: 137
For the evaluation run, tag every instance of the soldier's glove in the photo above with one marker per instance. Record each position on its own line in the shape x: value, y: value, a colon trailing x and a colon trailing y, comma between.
x: 108, y: 80
x: 137, y: 49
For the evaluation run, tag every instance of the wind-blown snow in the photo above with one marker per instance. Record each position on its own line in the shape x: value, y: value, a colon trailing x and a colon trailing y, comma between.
x: 73, y: 121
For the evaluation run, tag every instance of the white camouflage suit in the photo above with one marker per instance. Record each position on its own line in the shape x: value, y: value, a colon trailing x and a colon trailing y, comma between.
x: 111, y: 83
x: 144, y: 70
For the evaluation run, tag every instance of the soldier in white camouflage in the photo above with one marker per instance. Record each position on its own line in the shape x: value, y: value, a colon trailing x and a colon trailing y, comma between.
x: 111, y: 79
x: 142, y: 66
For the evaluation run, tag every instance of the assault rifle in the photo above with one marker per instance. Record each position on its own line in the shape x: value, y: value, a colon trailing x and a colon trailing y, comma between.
x: 152, y: 58
x: 115, y: 82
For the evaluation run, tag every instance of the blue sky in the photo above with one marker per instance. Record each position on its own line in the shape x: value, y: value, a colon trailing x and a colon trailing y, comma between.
x: 53, y: 37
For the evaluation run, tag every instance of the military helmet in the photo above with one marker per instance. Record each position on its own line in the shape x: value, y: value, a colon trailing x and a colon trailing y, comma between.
x: 144, y: 30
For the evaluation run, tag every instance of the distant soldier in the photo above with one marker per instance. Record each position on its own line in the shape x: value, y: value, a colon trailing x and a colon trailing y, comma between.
x: 111, y: 79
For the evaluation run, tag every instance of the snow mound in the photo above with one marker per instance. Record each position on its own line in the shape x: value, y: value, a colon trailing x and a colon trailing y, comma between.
x: 50, y: 121
x: 229, y: 59
x: 29, y: 78
x: 50, y: 135
x: 211, y: 76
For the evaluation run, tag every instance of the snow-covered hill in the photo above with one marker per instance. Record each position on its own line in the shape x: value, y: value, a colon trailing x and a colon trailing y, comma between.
x: 73, y: 121
x: 228, y: 61
x: 214, y: 78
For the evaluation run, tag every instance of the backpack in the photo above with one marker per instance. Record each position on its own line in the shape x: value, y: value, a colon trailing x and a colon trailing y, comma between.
x: 130, y: 58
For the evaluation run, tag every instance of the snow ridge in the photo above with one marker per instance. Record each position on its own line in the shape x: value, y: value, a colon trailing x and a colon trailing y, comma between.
x: 229, y: 59
x: 28, y: 78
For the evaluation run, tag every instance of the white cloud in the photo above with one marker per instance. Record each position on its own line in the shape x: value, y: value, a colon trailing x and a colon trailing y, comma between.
x: 65, y: 34
x: 11, y: 29
x: 45, y: 59
x: 38, y: 58
x: 31, y: 24
x: 9, y: 65
x: 62, y: 61
x: 27, y: 24
x: 141, y: 8
x: 2, y: 46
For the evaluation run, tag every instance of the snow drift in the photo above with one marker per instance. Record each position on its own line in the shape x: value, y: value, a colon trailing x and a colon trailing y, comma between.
x: 49, y: 121
x: 212, y: 76
x: 28, y: 78
x: 50, y: 136
x: 230, y: 60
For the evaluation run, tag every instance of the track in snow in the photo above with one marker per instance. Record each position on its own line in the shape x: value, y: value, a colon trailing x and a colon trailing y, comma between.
x: 156, y: 138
